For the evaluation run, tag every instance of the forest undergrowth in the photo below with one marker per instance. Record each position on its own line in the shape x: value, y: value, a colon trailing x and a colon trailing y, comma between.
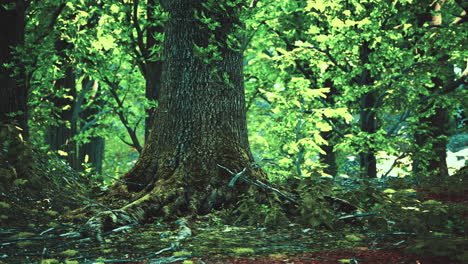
x: 346, y: 222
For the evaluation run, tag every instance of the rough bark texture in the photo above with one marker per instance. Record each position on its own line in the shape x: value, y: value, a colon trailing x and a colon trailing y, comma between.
x: 201, y: 122
x: 13, y: 88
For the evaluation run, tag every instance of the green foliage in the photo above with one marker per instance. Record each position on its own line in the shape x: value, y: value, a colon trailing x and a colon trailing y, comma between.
x: 243, y: 251
x: 69, y: 253
x: 251, y: 212
x: 315, y: 210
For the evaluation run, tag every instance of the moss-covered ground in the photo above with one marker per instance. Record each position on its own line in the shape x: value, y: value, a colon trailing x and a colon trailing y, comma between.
x: 208, y: 241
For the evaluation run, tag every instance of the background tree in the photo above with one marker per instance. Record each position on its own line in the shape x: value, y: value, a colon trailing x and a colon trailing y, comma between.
x: 14, y: 87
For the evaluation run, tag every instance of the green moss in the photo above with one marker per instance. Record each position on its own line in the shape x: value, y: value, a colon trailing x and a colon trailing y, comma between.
x: 108, y: 250
x: 24, y: 244
x: 187, y: 262
x: 182, y: 253
x: 22, y: 234
x: 69, y: 253
x: 143, y: 246
x: 72, y: 262
x: 51, y: 212
x: 98, y: 260
x: 243, y: 251
x: 20, y: 181
x: 50, y: 261
x: 3, y: 217
x: 353, y: 237
x: 53, y: 224
x: 5, y: 205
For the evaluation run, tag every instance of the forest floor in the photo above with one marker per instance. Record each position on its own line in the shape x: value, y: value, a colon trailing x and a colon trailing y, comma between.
x: 210, y: 244
x: 33, y: 230
x: 44, y: 239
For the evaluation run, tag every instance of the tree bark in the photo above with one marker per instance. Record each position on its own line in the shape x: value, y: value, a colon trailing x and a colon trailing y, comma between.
x: 59, y: 136
x: 201, y: 123
x: 368, y: 122
x: 13, y: 83
x: 430, y: 157
x: 94, y: 150
x: 153, y: 66
x: 329, y: 158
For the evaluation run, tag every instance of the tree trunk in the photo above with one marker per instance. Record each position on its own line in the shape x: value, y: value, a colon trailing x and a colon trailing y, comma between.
x: 367, y: 160
x: 94, y: 150
x: 431, y: 155
x: 13, y: 83
x: 431, y: 158
x: 431, y: 139
x: 329, y: 158
x: 153, y: 67
x: 201, y: 123
x: 59, y: 136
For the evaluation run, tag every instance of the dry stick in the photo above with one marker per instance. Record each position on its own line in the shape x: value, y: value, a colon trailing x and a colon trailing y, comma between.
x: 357, y: 215
x: 395, y: 162
x: 256, y: 183
x: 136, y: 259
x: 122, y: 181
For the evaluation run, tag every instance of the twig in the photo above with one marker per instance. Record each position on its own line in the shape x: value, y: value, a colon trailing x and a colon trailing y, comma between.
x: 404, y: 154
x: 122, y: 181
x: 356, y: 215
x: 256, y: 183
x: 170, y: 259
x: 237, y: 176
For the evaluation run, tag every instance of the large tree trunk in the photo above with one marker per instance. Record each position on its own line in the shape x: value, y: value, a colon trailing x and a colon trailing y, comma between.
x: 13, y: 88
x: 201, y: 123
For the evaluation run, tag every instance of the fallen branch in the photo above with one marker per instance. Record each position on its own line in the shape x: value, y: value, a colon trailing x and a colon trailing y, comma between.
x: 159, y: 260
x: 395, y: 162
x: 256, y: 183
x: 356, y: 215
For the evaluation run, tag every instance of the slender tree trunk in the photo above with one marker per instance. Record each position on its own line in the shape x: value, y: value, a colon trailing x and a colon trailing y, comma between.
x: 368, y: 123
x: 329, y: 158
x: 153, y: 66
x: 431, y: 158
x: 59, y: 136
x: 431, y: 139
x: 201, y: 123
x: 13, y: 83
x: 93, y: 151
